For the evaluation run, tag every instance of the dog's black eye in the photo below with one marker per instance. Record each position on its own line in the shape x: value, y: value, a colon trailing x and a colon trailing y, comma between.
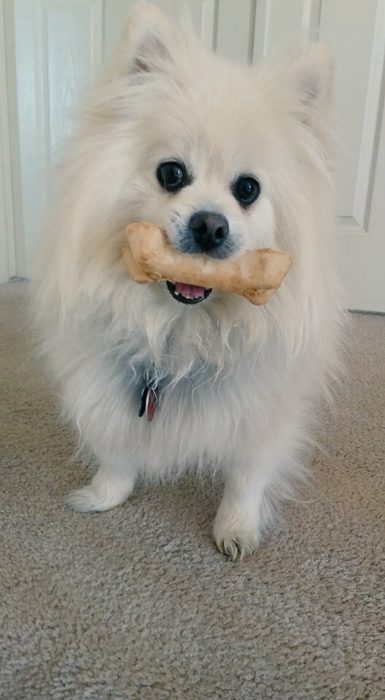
x: 172, y: 176
x: 246, y: 190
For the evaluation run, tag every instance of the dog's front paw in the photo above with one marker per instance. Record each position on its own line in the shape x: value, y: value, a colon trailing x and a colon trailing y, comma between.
x: 101, y: 494
x: 236, y: 545
x: 235, y: 535
x: 88, y: 500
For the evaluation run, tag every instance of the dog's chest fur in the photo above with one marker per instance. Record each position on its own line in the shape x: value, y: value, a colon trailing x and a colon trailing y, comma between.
x: 210, y: 393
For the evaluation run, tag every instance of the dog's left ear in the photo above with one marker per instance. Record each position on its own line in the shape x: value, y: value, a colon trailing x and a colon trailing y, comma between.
x: 147, y: 42
x: 312, y: 71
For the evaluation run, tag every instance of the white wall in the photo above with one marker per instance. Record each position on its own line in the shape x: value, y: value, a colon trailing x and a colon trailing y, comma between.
x: 7, y: 246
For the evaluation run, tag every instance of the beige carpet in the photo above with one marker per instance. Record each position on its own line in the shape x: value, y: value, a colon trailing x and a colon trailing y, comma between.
x: 137, y: 603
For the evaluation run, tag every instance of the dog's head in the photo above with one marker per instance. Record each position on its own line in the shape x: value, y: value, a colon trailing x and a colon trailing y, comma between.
x: 218, y: 151
x: 224, y: 157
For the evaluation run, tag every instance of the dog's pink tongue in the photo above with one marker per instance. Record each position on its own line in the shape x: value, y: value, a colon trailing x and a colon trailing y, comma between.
x: 190, y: 291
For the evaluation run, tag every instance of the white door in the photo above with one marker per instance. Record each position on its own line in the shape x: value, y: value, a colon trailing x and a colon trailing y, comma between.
x: 55, y: 47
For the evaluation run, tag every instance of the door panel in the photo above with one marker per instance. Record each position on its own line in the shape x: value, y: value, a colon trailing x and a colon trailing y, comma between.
x: 57, y: 51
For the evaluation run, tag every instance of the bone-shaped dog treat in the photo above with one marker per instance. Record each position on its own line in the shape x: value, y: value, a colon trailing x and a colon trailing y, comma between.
x: 255, y: 275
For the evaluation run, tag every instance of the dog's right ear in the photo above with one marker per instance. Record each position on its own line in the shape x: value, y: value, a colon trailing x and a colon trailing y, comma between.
x: 147, y: 41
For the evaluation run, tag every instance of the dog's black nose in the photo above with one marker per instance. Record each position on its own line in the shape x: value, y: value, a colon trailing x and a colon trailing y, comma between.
x: 209, y: 230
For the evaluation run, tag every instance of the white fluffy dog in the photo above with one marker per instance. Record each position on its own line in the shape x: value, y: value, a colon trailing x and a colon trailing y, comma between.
x: 225, y: 158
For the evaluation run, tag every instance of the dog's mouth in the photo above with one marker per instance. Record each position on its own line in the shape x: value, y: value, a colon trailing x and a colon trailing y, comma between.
x: 188, y: 293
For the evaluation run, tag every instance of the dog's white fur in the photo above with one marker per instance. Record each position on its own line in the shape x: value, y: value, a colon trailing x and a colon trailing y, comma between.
x: 240, y: 381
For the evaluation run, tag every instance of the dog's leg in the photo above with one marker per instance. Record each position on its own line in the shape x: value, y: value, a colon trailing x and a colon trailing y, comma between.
x: 245, y: 510
x: 111, y: 485
x: 239, y: 519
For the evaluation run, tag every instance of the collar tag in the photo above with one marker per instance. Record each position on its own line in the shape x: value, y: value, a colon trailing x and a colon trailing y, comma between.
x: 148, y: 402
